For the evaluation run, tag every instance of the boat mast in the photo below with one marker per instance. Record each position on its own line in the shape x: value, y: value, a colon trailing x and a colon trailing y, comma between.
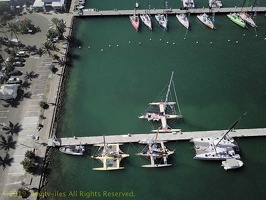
x: 149, y: 8
x: 177, y: 100
x: 231, y: 128
x: 169, y: 87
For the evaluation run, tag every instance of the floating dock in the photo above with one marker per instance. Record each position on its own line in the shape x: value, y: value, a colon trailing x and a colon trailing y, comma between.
x: 95, y: 12
x: 131, y: 138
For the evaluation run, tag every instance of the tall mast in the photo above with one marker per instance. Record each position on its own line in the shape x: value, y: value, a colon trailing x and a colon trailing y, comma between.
x: 169, y: 87
x: 149, y: 7
x: 231, y: 128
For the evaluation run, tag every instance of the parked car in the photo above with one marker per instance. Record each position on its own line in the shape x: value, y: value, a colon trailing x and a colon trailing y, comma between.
x: 21, y: 54
x: 20, y: 59
x: 7, y: 50
x: 15, y: 73
x: 14, y: 80
x: 17, y: 64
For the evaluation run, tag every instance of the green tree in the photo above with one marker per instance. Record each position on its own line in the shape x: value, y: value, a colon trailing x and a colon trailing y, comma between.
x: 58, y: 25
x: 28, y: 164
x: 13, y: 29
x: 30, y: 155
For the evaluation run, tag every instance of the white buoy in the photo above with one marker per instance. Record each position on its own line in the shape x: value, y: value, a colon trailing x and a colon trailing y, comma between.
x: 160, y: 39
x: 173, y: 43
x: 129, y: 42
x: 184, y: 38
x: 79, y: 47
x: 264, y: 38
x: 150, y: 39
x: 101, y: 49
x: 89, y: 47
x: 244, y: 34
x: 210, y: 42
x: 197, y: 42
x: 237, y: 42
x: 117, y: 45
x: 228, y: 40
x: 109, y: 45
x: 167, y: 42
x: 256, y: 35
x: 139, y: 42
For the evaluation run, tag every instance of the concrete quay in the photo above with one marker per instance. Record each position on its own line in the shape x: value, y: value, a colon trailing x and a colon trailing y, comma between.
x: 131, y: 138
x: 94, y: 12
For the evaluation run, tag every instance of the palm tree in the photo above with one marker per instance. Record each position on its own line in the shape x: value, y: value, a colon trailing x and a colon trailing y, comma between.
x: 13, y: 29
x: 6, y: 161
x: 29, y: 76
x: 58, y: 25
x: 8, y: 143
x: 48, y: 47
x: 12, y: 128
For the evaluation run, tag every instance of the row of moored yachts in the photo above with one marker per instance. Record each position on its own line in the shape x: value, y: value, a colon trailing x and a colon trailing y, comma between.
x: 239, y: 18
x: 221, y: 147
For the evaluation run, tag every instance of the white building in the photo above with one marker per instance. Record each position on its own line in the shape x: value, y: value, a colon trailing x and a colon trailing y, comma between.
x: 55, y: 4
x: 8, y: 91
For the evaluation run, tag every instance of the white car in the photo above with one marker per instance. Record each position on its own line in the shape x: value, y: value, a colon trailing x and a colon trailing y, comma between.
x: 14, y: 80
x: 21, y: 54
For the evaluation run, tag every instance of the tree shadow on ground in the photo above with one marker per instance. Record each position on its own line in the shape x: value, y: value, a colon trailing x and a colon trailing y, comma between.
x: 8, y: 143
x: 12, y: 128
x: 25, y: 85
x: 6, y: 161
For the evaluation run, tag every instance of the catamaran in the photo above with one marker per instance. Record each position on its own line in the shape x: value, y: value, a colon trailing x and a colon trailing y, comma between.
x: 188, y: 4
x: 110, y: 155
x: 163, y: 110
x: 215, y: 4
x: 76, y: 150
x: 236, y: 19
x: 134, y: 21
x: 145, y: 18
x: 182, y: 18
x: 204, y: 18
x: 247, y: 17
x: 157, y: 152
x: 216, y: 148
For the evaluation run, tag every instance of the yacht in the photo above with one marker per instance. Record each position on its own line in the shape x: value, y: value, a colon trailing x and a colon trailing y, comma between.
x: 76, y: 150
x: 182, y: 18
x: 134, y: 21
x: 146, y: 20
x: 162, y: 20
x: 237, y: 20
x: 204, y: 18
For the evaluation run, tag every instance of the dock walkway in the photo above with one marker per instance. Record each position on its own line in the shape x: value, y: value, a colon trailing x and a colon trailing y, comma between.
x: 131, y: 138
x: 94, y: 12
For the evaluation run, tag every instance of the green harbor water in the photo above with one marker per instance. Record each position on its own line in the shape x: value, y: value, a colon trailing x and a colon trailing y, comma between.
x: 219, y: 74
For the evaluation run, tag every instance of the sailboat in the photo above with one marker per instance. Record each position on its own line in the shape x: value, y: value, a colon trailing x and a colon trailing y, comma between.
x: 157, y: 152
x: 216, y: 148
x: 182, y: 18
x: 146, y: 19
x: 247, y: 17
x: 134, y: 19
x: 164, y: 110
x: 215, y: 4
x: 162, y: 19
x: 204, y: 18
x: 237, y: 20
x: 110, y: 155
x: 188, y: 4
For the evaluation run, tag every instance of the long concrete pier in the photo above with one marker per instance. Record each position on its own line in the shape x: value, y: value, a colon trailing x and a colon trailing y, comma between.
x: 94, y: 12
x: 130, y: 138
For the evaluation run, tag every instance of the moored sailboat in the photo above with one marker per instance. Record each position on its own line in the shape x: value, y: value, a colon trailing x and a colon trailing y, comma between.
x: 146, y: 19
x: 182, y: 18
x: 134, y: 21
x: 236, y: 19
x: 215, y: 4
x: 164, y: 110
x: 110, y: 155
x: 157, y: 152
x: 204, y: 18
x: 188, y: 4
x: 247, y: 17
x: 216, y: 148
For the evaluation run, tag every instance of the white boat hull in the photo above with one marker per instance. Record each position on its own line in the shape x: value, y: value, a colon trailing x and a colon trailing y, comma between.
x: 146, y: 20
x: 232, y: 164
x: 204, y: 18
x: 182, y: 18
x: 162, y: 20
x: 246, y: 17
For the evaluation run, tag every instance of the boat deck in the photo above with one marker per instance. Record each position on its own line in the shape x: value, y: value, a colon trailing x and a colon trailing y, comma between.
x: 94, y: 12
x: 131, y: 138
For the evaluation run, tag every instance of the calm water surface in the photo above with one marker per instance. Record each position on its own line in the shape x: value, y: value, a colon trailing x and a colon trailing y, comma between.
x: 117, y: 71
